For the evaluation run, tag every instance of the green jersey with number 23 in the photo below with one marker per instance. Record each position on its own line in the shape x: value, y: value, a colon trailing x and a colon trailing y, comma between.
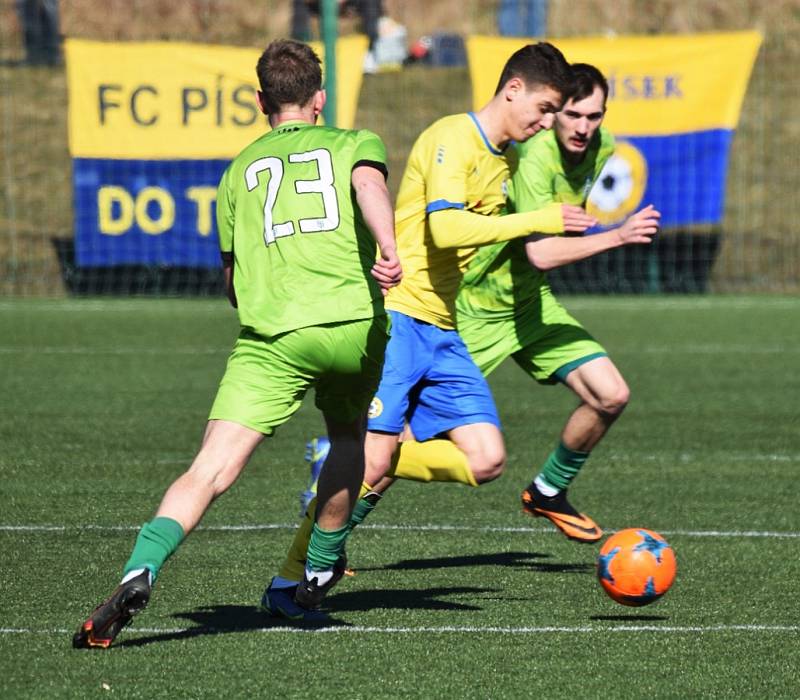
x: 287, y: 212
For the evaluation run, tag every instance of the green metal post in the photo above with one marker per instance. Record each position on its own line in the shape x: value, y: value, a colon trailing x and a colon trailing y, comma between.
x: 653, y: 270
x: 330, y: 19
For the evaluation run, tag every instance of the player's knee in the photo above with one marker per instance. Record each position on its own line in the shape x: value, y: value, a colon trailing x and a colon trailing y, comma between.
x: 213, y: 475
x: 613, y: 402
x: 375, y: 468
x: 488, y: 465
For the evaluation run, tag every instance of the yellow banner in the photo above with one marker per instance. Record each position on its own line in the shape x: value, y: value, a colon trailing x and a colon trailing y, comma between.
x: 658, y: 84
x: 176, y: 100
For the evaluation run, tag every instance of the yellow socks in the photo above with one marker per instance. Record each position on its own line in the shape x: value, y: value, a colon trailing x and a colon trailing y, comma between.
x: 432, y: 460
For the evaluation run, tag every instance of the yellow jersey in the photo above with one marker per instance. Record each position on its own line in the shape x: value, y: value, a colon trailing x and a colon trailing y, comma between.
x: 452, y: 166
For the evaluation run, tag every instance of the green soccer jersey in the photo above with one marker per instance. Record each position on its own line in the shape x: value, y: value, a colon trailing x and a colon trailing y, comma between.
x: 301, y: 250
x: 500, y: 282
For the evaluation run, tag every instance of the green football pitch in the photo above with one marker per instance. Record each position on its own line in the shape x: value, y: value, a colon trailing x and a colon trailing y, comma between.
x: 457, y: 594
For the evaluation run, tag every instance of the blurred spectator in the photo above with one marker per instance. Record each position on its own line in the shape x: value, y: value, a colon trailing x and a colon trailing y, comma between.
x: 390, y: 51
x: 368, y: 11
x: 40, y: 31
x: 526, y: 18
x: 301, y: 19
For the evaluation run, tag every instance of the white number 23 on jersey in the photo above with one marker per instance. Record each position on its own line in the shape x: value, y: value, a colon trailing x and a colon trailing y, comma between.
x: 323, y: 185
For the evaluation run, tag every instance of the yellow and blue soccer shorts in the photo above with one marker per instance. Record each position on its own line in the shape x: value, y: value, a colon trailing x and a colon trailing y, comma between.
x: 430, y: 381
x: 542, y: 338
x: 266, y: 378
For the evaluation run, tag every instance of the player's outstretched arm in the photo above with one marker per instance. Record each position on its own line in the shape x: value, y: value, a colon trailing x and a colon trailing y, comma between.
x: 549, y: 252
x: 375, y: 203
x: 457, y: 228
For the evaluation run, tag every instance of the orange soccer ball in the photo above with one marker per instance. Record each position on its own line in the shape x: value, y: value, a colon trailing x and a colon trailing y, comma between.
x: 636, y: 566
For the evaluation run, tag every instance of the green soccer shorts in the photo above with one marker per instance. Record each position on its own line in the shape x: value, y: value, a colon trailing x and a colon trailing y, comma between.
x: 266, y: 378
x: 544, y: 340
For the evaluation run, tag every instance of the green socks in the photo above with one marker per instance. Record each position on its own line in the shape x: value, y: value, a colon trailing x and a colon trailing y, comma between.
x: 562, y: 466
x: 156, y: 541
x: 364, y: 506
x: 325, y: 547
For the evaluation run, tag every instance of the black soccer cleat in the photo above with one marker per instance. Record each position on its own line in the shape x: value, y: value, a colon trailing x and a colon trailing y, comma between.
x: 558, y: 510
x: 279, y: 602
x: 108, y: 618
x: 309, y: 593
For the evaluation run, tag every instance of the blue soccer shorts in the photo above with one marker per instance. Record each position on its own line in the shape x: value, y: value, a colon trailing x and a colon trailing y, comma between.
x: 430, y: 381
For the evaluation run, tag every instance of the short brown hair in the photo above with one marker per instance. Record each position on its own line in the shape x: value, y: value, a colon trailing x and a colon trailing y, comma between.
x: 587, y: 78
x: 539, y: 64
x: 289, y: 73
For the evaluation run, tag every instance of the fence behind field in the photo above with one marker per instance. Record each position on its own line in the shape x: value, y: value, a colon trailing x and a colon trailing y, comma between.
x: 756, y: 247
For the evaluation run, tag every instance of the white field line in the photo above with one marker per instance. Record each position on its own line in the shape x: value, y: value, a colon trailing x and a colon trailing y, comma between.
x: 685, y: 457
x: 357, y: 629
x: 722, y: 534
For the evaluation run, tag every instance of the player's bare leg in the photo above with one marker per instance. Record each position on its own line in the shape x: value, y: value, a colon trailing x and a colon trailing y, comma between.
x: 226, y: 448
x: 484, y: 449
x: 604, y: 395
x: 474, y: 454
x: 225, y: 451
x: 379, y: 449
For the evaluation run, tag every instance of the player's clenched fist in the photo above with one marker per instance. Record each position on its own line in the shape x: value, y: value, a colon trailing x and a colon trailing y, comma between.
x: 387, y: 270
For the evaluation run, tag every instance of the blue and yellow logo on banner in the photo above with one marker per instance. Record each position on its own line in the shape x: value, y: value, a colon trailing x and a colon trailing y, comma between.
x: 152, y: 126
x: 674, y: 103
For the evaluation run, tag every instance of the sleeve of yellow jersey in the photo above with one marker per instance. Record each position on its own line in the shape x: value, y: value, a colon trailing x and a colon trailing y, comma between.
x: 447, y: 164
x: 225, y: 214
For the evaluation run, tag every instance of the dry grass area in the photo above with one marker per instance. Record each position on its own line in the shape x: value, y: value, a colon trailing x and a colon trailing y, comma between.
x: 670, y: 16
x: 762, y: 241
x: 249, y: 23
x: 237, y: 21
x: 244, y: 22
